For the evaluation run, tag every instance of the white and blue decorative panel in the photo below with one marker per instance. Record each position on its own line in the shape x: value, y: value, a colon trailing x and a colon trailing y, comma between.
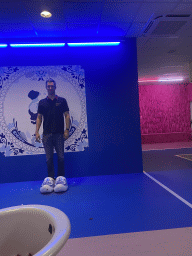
x: 21, y: 89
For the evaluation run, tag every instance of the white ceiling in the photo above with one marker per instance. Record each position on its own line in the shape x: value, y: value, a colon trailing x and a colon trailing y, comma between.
x: 156, y: 34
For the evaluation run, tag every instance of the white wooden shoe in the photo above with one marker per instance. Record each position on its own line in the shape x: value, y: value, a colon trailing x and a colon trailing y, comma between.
x: 60, y: 184
x: 47, y: 185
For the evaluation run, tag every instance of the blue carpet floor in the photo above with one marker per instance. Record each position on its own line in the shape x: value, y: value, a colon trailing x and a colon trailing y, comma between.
x: 115, y: 204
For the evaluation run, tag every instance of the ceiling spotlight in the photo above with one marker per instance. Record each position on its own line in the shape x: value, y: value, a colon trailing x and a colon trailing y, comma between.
x: 46, y: 14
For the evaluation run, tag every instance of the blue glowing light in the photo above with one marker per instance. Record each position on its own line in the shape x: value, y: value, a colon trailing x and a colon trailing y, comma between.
x: 3, y: 45
x: 94, y: 44
x: 39, y: 45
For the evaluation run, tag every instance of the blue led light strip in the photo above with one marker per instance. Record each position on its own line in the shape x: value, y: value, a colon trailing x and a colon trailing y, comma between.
x: 3, y: 45
x: 94, y: 44
x: 39, y: 45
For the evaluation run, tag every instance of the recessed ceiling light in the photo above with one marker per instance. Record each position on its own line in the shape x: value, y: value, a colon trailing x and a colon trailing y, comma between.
x: 46, y: 14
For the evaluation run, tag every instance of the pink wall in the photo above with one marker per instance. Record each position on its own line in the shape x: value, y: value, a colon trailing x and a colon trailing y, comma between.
x: 165, y: 112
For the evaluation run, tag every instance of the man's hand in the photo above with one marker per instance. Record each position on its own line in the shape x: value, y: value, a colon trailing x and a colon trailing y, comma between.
x: 38, y: 139
x: 66, y: 134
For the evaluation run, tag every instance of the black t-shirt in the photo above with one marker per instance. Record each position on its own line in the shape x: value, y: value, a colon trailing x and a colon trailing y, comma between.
x: 52, y: 111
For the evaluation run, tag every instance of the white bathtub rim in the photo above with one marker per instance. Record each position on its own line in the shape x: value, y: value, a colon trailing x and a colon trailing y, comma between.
x: 60, y: 228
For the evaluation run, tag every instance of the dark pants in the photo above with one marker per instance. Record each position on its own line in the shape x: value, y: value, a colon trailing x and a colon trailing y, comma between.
x: 49, y: 142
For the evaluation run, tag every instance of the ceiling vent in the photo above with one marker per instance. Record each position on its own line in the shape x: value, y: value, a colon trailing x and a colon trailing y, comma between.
x: 169, y: 25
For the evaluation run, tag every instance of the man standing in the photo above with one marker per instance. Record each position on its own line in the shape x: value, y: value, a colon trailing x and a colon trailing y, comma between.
x: 53, y: 108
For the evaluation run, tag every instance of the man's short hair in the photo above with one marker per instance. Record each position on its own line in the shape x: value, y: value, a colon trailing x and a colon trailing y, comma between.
x: 50, y: 80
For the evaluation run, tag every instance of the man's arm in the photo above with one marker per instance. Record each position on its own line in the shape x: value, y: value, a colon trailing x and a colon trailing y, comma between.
x: 67, y: 119
x: 38, y: 122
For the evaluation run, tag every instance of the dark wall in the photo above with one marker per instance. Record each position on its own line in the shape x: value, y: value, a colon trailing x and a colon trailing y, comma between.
x: 112, y: 111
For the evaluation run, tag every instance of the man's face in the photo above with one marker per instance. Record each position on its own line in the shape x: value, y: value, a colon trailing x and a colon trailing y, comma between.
x: 51, y: 88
